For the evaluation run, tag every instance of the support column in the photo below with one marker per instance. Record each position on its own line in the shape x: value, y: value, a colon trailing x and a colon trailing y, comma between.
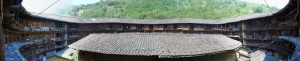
x: 298, y: 31
x: 66, y: 34
x: 243, y: 25
x: 298, y: 14
x: 277, y: 54
x: 2, y: 44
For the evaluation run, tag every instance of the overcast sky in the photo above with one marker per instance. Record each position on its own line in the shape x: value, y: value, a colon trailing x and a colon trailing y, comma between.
x: 40, y: 5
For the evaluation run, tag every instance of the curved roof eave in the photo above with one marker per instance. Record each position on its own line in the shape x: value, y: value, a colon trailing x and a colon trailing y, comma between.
x: 284, y: 8
x: 152, y: 21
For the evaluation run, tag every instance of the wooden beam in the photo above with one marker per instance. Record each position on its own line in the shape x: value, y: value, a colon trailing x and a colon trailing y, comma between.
x: 290, y: 13
x: 296, y: 14
x: 13, y: 8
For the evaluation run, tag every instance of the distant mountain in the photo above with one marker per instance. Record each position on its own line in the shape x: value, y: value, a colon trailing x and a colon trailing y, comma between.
x: 166, y: 9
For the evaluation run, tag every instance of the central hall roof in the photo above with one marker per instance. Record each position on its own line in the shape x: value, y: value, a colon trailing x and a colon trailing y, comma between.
x: 164, y: 45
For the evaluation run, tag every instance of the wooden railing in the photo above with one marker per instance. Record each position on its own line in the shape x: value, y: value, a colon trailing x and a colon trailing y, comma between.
x: 289, y: 23
x: 43, y: 29
x: 227, y: 29
x: 283, y: 49
x: 40, y: 46
x: 260, y: 37
x: 146, y: 29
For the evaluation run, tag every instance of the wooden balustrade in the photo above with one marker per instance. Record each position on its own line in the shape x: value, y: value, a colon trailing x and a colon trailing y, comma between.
x: 31, y: 50
x: 289, y: 23
x: 33, y: 25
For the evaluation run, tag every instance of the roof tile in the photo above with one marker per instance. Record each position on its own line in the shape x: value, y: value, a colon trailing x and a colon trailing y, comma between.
x: 158, y: 44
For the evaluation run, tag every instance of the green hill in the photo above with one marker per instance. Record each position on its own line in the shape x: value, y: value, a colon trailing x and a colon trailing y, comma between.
x: 167, y: 9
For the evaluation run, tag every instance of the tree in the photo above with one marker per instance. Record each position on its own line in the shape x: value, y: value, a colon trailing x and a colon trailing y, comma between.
x: 167, y: 9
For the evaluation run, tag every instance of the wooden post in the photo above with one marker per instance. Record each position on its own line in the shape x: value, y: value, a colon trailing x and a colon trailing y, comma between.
x: 66, y: 34
x: 243, y: 26
x: 298, y: 14
x: 2, y: 53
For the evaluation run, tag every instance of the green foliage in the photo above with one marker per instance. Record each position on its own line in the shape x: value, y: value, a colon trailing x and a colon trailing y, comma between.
x: 167, y: 9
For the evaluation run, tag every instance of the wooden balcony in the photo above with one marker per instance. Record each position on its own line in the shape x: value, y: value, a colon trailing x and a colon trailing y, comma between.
x: 72, y: 37
x: 8, y: 15
x: 44, y: 29
x: 12, y: 8
x: 39, y: 47
x: 14, y: 26
x: 58, y: 29
x: 259, y: 37
x: 90, y: 29
x: 48, y: 40
x: 289, y: 23
x: 233, y: 36
x: 225, y: 29
x: 275, y: 47
x: 199, y: 29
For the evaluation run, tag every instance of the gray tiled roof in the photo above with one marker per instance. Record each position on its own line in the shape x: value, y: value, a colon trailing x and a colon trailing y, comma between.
x: 156, y: 44
x: 152, y: 21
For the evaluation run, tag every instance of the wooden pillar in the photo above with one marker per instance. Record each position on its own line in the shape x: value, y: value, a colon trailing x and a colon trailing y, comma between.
x: 243, y: 24
x: 66, y: 34
x: 2, y: 54
x: 298, y: 17
x: 277, y: 54
x: 298, y: 31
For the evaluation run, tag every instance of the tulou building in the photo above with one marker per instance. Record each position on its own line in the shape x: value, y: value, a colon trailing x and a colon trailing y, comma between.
x: 257, y: 37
